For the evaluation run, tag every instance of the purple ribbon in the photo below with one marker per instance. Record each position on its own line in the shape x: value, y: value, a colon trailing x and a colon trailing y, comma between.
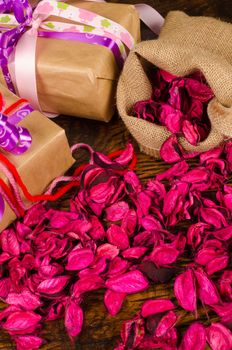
x: 23, y: 13
x: 13, y: 138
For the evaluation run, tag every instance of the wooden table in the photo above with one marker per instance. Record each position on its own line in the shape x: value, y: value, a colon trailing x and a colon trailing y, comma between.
x: 102, y: 331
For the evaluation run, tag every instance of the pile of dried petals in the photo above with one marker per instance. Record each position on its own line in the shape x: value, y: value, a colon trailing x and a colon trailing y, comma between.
x: 179, y: 103
x: 123, y: 236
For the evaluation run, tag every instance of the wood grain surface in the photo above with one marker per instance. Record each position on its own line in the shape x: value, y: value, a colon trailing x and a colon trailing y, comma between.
x: 101, y: 331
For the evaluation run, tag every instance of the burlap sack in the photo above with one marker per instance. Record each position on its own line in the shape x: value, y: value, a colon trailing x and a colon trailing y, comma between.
x: 186, y: 44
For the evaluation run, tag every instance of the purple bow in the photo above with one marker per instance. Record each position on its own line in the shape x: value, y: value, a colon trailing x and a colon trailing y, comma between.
x: 24, y: 13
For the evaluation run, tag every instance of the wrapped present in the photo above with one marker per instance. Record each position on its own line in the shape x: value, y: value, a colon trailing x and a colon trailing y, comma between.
x: 34, y: 146
x: 80, y: 49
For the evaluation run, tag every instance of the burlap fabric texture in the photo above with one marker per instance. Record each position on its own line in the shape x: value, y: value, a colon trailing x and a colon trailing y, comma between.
x: 186, y: 44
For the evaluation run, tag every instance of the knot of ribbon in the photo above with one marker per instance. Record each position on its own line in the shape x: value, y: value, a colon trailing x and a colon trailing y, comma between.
x: 14, y: 138
x: 19, y: 33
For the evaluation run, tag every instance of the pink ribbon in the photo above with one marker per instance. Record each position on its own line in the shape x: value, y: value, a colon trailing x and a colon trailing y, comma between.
x: 25, y: 52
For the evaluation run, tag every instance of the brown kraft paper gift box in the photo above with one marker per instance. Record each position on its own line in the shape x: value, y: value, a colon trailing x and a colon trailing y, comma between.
x: 49, y: 155
x: 79, y: 79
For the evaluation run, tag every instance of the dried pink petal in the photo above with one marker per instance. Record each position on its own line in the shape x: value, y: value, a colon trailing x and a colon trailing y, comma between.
x: 185, y: 290
x: 224, y: 311
x: 164, y: 255
x: 9, y: 242
x: 129, y: 222
x: 134, y: 252
x: 113, y: 301
x: 5, y: 286
x: 171, y: 151
x: 25, y: 299
x: 117, y: 211
x: 22, y: 322
x: 117, y: 236
x: 207, y: 291
x: 132, y: 332
x: 194, y: 338
x: 217, y: 264
x: 97, y: 231
x: 190, y: 132
x: 213, y: 217
x: 219, y: 337
x: 79, y: 259
x: 150, y: 223
x: 107, y: 250
x: 129, y: 283
x: 53, y: 285
x: 156, y: 306
x: 73, y: 318
x: 225, y: 284
x: 167, y: 322
x: 117, y: 266
x: 28, y: 342
x: 174, y: 171
x: 87, y: 284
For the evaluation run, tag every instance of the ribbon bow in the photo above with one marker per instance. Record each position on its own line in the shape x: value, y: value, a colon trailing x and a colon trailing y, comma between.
x: 88, y: 27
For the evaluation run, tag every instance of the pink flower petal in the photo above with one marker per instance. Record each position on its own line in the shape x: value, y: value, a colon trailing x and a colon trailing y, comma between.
x: 79, y: 259
x: 219, y: 337
x: 129, y: 283
x: 117, y: 237
x: 53, y: 285
x: 73, y: 319
x: 156, y: 306
x: 194, y: 338
x: 185, y: 291
x: 113, y: 301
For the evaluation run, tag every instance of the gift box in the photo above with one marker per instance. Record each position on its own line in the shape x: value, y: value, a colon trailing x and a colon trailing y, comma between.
x: 78, y: 78
x: 47, y: 157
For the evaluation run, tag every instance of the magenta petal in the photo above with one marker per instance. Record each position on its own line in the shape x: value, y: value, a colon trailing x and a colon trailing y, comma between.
x: 134, y: 253
x: 156, y: 306
x: 107, y: 250
x: 225, y: 284
x: 113, y: 301
x: 167, y: 322
x: 53, y: 285
x: 5, y: 286
x: 97, y: 232
x: 132, y: 332
x: 22, y: 322
x: 79, y: 259
x: 117, y: 211
x: 194, y: 338
x: 206, y: 289
x: 171, y: 151
x: 28, y: 342
x: 185, y: 291
x: 9, y: 242
x: 174, y: 171
x: 129, y: 222
x: 190, y: 132
x: 150, y: 223
x: 171, y: 118
x: 213, y: 217
x: 87, y: 284
x: 164, y: 255
x: 219, y: 337
x: 73, y: 319
x: 117, y: 237
x: 25, y: 299
x: 129, y: 283
x: 217, y: 264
